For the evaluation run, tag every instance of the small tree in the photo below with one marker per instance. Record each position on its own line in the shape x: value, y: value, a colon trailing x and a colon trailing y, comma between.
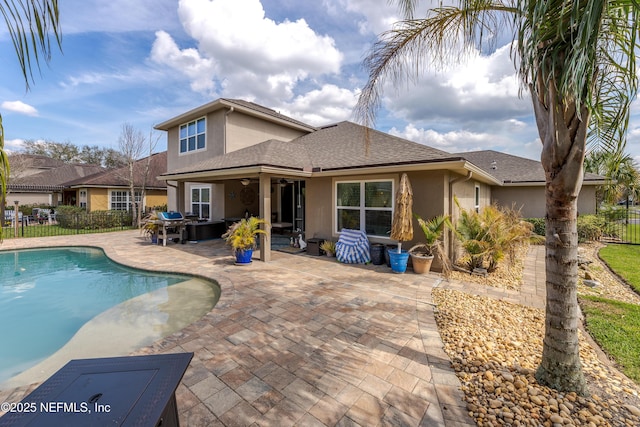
x: 132, y: 145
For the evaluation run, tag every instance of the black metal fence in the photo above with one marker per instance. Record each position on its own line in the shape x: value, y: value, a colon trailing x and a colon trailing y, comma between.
x: 622, y: 224
x: 67, y: 224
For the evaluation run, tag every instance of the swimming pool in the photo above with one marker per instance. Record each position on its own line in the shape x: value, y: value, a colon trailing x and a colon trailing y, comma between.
x: 47, y: 295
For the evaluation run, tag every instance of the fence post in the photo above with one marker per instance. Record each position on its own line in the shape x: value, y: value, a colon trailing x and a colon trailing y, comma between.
x: 15, y: 219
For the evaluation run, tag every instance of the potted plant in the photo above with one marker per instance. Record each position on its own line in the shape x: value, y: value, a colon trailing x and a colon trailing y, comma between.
x: 241, y: 236
x: 329, y: 247
x: 422, y: 254
x: 150, y: 226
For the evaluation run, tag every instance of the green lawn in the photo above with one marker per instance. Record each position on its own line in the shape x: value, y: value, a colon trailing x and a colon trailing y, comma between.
x: 615, y: 326
x: 623, y: 259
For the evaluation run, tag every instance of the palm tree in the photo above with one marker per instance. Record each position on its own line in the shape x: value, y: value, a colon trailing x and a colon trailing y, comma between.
x: 30, y: 23
x: 577, y: 59
x: 621, y: 171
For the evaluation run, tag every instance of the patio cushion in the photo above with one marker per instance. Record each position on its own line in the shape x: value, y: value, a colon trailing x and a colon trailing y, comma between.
x: 353, y: 247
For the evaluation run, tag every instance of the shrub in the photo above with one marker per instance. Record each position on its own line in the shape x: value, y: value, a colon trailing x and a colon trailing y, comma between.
x: 491, y: 234
x: 539, y: 225
x: 77, y: 218
x: 591, y: 227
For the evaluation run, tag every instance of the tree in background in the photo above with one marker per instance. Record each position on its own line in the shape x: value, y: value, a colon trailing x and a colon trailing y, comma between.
x: 623, y: 177
x: 577, y: 59
x: 30, y: 24
x: 71, y: 153
x: 133, y: 145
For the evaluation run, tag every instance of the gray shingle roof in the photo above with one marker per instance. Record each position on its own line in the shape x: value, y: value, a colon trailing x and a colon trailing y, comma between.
x: 340, y: 146
x: 345, y: 146
x: 54, y: 179
x: 119, y: 177
x: 513, y: 169
x: 288, y: 155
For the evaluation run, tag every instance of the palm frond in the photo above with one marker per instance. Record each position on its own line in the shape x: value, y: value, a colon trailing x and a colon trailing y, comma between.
x: 446, y: 36
x: 30, y: 24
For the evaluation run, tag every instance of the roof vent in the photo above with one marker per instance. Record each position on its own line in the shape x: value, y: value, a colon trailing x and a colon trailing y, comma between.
x: 494, y: 165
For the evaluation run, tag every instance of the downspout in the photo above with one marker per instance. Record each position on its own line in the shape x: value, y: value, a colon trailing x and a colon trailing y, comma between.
x: 451, y: 183
x: 224, y: 133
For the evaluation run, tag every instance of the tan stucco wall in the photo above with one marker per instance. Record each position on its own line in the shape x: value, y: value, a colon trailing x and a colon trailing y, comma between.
x: 214, y: 145
x: 156, y: 198
x: 319, y: 208
x: 97, y: 199
x: 244, y: 131
x: 234, y: 199
x: 531, y: 200
x: 428, y: 201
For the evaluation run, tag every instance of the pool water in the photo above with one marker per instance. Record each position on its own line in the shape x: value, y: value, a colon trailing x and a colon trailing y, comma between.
x: 47, y: 295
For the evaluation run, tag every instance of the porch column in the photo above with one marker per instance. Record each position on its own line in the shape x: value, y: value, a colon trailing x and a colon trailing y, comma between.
x: 265, y: 213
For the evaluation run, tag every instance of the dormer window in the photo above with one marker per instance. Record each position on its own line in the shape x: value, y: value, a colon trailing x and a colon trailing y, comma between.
x: 193, y: 136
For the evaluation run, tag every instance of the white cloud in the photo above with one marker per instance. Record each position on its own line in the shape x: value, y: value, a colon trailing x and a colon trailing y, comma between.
x: 248, y: 54
x: 329, y: 104
x: 453, y: 142
x: 483, y: 90
x: 19, y: 107
x: 189, y: 61
x: 460, y: 141
x: 377, y: 16
x: 13, y: 145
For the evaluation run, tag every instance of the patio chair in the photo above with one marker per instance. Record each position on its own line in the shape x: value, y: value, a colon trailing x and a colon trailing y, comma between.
x: 353, y: 247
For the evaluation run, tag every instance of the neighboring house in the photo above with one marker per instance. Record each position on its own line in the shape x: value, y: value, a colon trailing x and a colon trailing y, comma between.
x: 231, y: 157
x: 523, y: 183
x: 109, y: 189
x: 40, y: 180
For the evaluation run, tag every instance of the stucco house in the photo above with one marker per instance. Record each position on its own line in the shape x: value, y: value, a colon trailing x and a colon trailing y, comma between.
x: 229, y: 158
x: 109, y: 189
x: 41, y: 180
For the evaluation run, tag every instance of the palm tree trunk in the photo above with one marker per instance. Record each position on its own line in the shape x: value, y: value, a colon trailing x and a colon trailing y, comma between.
x: 563, y: 129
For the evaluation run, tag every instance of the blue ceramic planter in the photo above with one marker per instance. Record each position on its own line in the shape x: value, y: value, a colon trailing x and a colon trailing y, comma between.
x: 244, y: 256
x: 398, y: 260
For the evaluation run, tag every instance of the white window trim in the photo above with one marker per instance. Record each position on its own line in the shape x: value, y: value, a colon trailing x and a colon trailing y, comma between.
x: 110, y: 199
x: 181, y: 153
x: 200, y: 187
x: 476, y: 198
x: 362, y: 209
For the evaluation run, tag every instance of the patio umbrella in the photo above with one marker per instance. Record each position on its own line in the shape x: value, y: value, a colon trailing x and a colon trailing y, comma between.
x: 402, y: 226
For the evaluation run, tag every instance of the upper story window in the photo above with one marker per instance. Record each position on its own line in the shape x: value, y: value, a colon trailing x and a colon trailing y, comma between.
x: 193, y: 136
x: 364, y: 205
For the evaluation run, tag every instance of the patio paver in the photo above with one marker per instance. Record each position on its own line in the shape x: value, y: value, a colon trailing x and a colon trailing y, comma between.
x: 301, y: 340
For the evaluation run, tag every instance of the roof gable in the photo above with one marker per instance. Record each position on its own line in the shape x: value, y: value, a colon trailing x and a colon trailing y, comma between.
x: 245, y: 107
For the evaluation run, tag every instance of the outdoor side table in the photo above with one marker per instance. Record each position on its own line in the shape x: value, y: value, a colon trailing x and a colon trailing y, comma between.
x: 114, y: 391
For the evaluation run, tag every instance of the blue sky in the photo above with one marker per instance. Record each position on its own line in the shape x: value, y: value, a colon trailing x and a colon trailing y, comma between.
x: 145, y: 61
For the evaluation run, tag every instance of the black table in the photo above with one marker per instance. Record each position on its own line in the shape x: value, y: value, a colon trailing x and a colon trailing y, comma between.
x: 115, y: 391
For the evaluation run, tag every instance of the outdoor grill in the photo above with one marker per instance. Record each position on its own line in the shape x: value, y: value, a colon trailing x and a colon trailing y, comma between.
x: 173, y: 226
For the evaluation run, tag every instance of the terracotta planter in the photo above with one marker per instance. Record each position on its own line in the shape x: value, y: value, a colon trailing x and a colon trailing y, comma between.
x: 421, y: 263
